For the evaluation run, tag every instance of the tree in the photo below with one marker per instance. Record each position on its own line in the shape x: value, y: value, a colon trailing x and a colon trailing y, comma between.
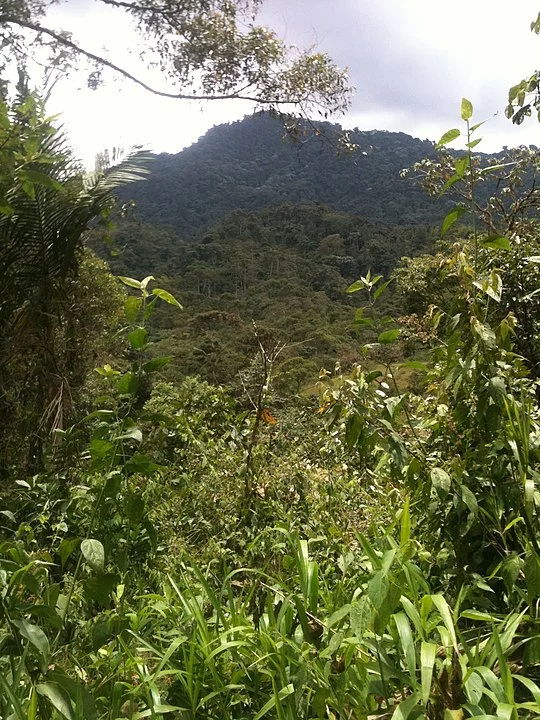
x: 48, y: 207
x: 205, y: 50
x: 524, y: 96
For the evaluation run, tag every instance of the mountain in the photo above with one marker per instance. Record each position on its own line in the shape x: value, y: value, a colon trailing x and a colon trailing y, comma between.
x: 247, y: 226
x: 251, y: 164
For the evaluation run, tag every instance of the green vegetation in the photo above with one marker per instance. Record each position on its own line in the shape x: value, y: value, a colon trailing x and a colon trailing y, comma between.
x: 174, y: 548
x: 250, y: 164
x: 287, y: 268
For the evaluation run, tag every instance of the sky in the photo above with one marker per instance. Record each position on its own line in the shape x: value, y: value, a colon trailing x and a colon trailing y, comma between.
x: 411, y: 62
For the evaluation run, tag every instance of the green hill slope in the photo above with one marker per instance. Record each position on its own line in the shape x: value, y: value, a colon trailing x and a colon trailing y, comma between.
x: 286, y: 267
x: 248, y: 165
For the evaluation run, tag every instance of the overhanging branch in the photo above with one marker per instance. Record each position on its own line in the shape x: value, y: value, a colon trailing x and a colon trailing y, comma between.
x: 238, y: 95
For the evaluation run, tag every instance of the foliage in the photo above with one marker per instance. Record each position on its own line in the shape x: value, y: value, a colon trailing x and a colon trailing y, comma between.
x: 249, y: 165
x: 193, y: 556
x: 48, y: 210
x: 287, y: 268
x: 205, y: 51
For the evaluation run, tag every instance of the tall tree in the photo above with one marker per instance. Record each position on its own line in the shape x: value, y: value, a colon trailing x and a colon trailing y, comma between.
x: 201, y: 49
x: 48, y: 206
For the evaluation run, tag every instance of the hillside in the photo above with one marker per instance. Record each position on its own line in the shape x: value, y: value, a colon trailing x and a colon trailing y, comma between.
x: 248, y: 165
x: 286, y: 267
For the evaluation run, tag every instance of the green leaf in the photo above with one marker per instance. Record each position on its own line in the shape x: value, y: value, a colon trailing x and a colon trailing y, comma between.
x: 461, y: 165
x: 406, y: 707
x: 448, y: 184
x: 451, y: 218
x: 474, y: 143
x: 448, y: 137
x: 13, y: 699
x: 379, y: 291
x: 127, y: 384
x: 40, y: 178
x: 415, y: 365
x: 100, y: 589
x: 496, y: 242
x: 493, y: 168
x: 469, y: 498
x: 444, y: 610
x: 93, y: 553
x: 132, y: 308
x: 100, y: 449
x: 360, y: 616
x: 144, y: 283
x: 406, y: 638
x: 166, y: 297
x: 135, y: 508
x: 132, y: 433
x: 156, y: 364
x: 130, y: 282
x: 356, y: 286
x: 83, y: 702
x: 466, y: 109
x: 66, y: 547
x: 58, y: 698
x: 35, y: 635
x: 531, y: 570
x: 140, y: 464
x: 281, y: 695
x: 428, y: 652
x: 405, y: 534
x: 138, y: 338
x: 337, y: 616
x: 474, y: 688
x: 378, y: 588
x: 440, y: 480
x: 388, y: 336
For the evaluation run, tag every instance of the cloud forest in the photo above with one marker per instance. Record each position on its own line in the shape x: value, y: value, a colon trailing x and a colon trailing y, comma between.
x: 269, y: 406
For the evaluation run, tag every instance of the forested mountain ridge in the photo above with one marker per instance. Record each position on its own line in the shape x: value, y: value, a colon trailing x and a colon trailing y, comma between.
x: 250, y: 164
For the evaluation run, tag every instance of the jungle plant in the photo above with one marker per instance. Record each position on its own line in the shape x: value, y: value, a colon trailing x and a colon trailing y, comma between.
x: 49, y: 208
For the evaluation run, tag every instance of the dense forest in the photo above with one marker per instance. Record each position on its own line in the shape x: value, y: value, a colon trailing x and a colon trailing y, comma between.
x: 265, y: 452
x: 287, y: 268
x: 253, y: 163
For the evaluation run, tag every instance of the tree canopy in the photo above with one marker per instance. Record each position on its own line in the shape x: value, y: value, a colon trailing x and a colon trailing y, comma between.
x: 199, y: 49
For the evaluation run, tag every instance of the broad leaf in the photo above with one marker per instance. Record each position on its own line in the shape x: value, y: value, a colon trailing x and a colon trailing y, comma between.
x: 166, y: 297
x: 448, y: 137
x: 93, y: 553
x: 496, y: 242
x: 440, y: 480
x: 35, y: 635
x: 138, y: 338
x: 58, y: 698
x: 451, y: 218
x: 466, y: 109
x: 130, y: 282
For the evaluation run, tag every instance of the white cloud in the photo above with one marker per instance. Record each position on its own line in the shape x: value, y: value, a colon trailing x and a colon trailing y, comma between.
x: 411, y: 62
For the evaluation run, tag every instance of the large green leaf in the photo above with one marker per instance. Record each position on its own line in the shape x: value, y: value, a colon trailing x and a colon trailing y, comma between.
x: 166, y: 297
x: 440, y: 480
x: 466, y: 109
x: 58, y: 698
x: 448, y: 137
x: 35, y: 635
x: 428, y: 652
x: 93, y: 553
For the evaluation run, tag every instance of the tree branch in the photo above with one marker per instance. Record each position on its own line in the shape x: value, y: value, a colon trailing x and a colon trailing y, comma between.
x: 238, y: 95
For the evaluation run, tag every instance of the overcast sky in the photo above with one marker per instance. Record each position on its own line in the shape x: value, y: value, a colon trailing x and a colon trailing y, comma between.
x: 411, y: 61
